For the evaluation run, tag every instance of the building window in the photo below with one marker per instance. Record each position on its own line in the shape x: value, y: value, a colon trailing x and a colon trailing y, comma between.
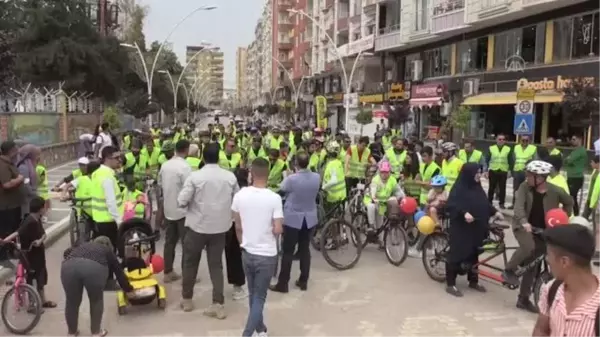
x: 576, y: 37
x: 528, y: 43
x: 436, y: 62
x: 421, y: 15
x: 446, y: 6
x: 472, y: 55
x: 408, y: 65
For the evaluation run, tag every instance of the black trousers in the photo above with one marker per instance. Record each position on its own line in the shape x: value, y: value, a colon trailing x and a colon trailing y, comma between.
x: 291, y: 238
x: 11, y: 220
x: 454, y: 269
x: 233, y: 259
x: 110, y: 230
x: 497, y: 180
x: 575, y: 185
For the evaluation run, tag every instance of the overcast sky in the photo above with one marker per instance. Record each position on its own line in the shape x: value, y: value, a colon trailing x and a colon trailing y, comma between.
x: 229, y: 26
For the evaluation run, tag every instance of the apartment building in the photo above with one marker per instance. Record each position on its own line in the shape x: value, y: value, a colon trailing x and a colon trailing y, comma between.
x: 259, y: 61
x: 209, y: 75
x: 241, y: 64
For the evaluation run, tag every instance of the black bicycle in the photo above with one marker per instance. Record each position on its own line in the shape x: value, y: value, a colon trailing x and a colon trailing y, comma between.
x: 80, y: 229
x: 335, y: 237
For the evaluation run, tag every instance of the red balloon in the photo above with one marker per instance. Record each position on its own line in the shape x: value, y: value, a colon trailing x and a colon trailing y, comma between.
x: 408, y: 205
x: 158, y: 264
x: 556, y: 217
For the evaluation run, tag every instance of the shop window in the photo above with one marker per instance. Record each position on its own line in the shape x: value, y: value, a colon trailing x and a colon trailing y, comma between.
x: 472, y: 55
x: 576, y: 37
x: 408, y: 65
x: 527, y: 43
x: 437, y: 62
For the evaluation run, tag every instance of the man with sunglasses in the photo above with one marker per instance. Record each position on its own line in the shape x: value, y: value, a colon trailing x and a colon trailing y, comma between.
x: 499, y: 162
x: 523, y: 153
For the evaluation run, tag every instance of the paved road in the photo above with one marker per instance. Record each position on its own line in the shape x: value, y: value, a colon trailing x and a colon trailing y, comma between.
x: 373, y: 299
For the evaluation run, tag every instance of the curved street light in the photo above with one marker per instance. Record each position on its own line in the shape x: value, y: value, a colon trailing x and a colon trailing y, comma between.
x: 150, y: 74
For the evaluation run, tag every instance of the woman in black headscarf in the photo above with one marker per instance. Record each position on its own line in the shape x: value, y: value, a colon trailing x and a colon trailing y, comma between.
x: 470, y: 213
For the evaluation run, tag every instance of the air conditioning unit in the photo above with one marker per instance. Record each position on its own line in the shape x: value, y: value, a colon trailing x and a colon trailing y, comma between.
x: 360, y: 86
x: 470, y: 87
x: 445, y: 109
x: 417, y: 70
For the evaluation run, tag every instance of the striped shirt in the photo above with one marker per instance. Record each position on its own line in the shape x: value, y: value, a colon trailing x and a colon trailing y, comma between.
x: 579, y: 322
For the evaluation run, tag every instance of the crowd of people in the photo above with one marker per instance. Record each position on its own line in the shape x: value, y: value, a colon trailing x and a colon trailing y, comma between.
x: 237, y: 191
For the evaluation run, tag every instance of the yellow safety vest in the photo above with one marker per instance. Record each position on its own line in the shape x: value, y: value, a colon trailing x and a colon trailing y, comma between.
x: 560, y: 181
x: 337, y: 192
x: 474, y: 158
x: 127, y: 142
x: 556, y: 152
x: 151, y: 158
x: 450, y: 170
x: 132, y: 197
x: 396, y: 161
x: 229, y: 164
x: 100, y: 211
x: 275, y: 175
x: 84, y: 191
x: 76, y: 173
x: 275, y: 143
x: 426, y: 175
x: 42, y: 177
x: 194, y: 162
x: 594, y: 192
x: 411, y: 187
x: 313, y: 163
x: 357, y: 168
x: 523, y: 156
x: 383, y: 193
x: 139, y: 171
x: 253, y: 155
x: 387, y: 142
x: 498, y: 158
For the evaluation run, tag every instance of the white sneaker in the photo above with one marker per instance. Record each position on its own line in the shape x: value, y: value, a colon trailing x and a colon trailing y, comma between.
x: 262, y: 334
x: 413, y: 252
x: 239, y: 293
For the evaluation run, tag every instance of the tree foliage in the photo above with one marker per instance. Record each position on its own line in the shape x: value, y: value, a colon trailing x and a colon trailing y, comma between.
x: 580, y: 102
x: 458, y: 120
x: 364, y: 117
x: 134, y: 32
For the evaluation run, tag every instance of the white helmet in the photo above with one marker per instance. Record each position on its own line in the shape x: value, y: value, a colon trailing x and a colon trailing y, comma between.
x: 539, y: 167
x: 579, y: 220
x: 449, y: 146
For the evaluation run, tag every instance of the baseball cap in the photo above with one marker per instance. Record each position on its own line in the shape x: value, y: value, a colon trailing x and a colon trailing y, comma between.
x: 83, y: 161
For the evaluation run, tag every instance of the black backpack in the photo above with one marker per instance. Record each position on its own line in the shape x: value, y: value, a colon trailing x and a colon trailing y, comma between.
x: 552, y: 294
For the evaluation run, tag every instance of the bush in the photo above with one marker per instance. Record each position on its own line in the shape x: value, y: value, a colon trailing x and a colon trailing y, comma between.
x: 111, y: 116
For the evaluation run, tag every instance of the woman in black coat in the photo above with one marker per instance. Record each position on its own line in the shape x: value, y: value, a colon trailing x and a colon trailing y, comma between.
x: 470, y: 213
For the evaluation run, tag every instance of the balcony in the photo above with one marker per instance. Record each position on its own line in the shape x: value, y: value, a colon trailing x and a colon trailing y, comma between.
x: 285, y: 44
x: 370, y: 3
x: 448, y: 15
x: 284, y: 5
x: 389, y: 38
x: 486, y: 9
x: 342, y: 24
x: 328, y: 4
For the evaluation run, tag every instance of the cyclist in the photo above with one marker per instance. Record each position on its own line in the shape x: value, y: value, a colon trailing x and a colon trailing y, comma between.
x: 383, y: 189
x: 151, y: 150
x: 81, y: 171
x: 534, y: 198
x: 437, y: 197
x: 230, y: 159
x: 356, y: 160
x: 396, y: 155
x: 134, y: 200
x: 428, y: 169
x: 451, y: 165
x: 136, y: 164
x: 194, y: 157
x: 334, y: 183
x: 277, y: 169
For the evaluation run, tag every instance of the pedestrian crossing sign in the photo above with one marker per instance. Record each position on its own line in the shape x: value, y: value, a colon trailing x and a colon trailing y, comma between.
x: 524, y: 124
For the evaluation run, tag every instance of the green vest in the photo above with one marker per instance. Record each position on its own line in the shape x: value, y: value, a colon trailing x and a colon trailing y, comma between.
x: 594, y: 193
x: 426, y: 175
x: 396, y: 161
x: 252, y: 155
x: 151, y: 158
x: 387, y: 142
x: 450, y: 170
x: 42, y: 177
x: 229, y: 164
x: 132, y: 197
x: 127, y: 142
x: 411, y: 187
x: 162, y: 159
x: 337, y: 192
x: 313, y: 163
x: 275, y: 143
x: 99, y: 209
x: 194, y: 162
x: 555, y: 152
x: 358, y: 168
x: 499, y: 159
x: 84, y: 191
x: 523, y: 156
x: 384, y: 192
x: 139, y: 171
x: 276, y: 175
x: 76, y: 173
x: 474, y: 158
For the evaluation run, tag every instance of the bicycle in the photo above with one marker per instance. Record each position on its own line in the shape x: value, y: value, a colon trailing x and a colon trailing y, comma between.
x: 494, y: 245
x: 26, y: 297
x: 334, y: 236
x: 79, y: 221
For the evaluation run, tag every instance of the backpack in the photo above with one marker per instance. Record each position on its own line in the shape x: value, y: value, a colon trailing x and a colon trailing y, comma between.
x: 552, y: 294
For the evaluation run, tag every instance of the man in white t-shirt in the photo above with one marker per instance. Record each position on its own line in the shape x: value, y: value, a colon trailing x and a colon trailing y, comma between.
x: 258, y: 216
x: 103, y: 140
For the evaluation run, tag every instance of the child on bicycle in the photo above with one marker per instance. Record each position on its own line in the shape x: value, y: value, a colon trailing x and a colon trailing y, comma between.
x: 437, y: 197
x: 134, y: 200
x: 31, y: 235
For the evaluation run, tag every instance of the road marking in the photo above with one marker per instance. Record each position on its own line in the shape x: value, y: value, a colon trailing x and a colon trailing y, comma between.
x: 342, y: 289
x: 368, y: 329
x: 314, y: 330
x: 432, y: 325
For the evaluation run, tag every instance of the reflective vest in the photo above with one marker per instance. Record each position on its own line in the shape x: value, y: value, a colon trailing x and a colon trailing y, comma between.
x: 383, y: 193
x: 133, y: 197
x: 357, y: 168
x: 594, y: 193
x: 499, y: 159
x: 139, y: 171
x: 194, y: 162
x: 313, y: 163
x: 306, y: 135
x: 474, y: 158
x: 151, y: 158
x: 396, y: 161
x: 523, y: 156
x: 99, y: 208
x: 450, y: 170
x: 275, y: 175
x: 253, y: 155
x: 127, y: 142
x: 76, y: 173
x: 42, y: 178
x: 229, y: 164
x: 275, y: 143
x: 426, y: 175
x: 387, y: 142
x: 336, y: 192
x: 162, y: 159
x: 411, y: 187
x: 560, y: 181
x: 555, y: 152
x: 84, y: 191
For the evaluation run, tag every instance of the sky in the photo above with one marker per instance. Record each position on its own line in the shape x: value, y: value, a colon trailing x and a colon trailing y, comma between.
x: 229, y: 26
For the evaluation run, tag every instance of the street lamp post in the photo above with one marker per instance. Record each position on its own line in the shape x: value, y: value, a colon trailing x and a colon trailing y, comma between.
x: 150, y: 74
x: 289, y: 75
x: 347, y: 79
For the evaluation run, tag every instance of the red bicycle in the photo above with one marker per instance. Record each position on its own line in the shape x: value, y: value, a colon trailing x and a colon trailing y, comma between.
x: 20, y: 297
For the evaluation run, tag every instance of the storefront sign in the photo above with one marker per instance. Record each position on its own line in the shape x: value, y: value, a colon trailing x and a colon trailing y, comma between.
x: 396, y: 91
x: 559, y: 83
x: 321, y: 109
x: 429, y: 90
x: 351, y: 101
x: 371, y: 99
x: 356, y: 47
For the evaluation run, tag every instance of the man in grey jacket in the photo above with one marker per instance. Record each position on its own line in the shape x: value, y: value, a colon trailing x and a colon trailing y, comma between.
x: 206, y: 195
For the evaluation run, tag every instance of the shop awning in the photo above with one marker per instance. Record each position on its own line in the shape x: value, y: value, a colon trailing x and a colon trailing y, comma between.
x: 510, y: 98
x: 429, y: 101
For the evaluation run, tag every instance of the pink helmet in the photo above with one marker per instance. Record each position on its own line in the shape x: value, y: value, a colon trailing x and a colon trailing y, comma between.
x: 384, y: 166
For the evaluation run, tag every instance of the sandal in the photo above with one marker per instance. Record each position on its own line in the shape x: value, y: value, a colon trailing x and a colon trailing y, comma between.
x: 102, y: 333
x: 48, y: 304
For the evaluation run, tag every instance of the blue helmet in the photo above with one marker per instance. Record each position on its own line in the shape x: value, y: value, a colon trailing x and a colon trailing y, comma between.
x: 439, y: 181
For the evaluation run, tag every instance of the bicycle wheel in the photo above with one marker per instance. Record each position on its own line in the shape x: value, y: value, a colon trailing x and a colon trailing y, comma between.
x: 395, y: 239
x: 360, y: 222
x: 28, y: 302
x: 335, y: 237
x: 315, y: 240
x: 74, y: 234
x: 435, y: 248
x: 540, y: 281
x: 412, y: 232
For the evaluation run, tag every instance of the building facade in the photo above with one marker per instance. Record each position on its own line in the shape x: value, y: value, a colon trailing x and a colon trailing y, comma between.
x: 241, y: 64
x: 205, y: 74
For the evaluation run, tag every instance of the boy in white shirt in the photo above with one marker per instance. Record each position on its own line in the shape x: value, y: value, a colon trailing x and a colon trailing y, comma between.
x: 258, y: 216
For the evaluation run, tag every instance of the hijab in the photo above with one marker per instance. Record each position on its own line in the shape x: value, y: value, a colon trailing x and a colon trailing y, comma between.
x: 467, y: 195
x: 27, y: 154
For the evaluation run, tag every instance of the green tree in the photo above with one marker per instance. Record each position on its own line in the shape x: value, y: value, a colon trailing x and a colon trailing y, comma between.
x: 364, y: 117
x: 458, y: 120
x: 134, y: 33
x: 111, y: 116
x: 580, y: 103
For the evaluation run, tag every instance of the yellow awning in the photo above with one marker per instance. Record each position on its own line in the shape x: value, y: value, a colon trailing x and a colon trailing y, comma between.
x: 510, y: 98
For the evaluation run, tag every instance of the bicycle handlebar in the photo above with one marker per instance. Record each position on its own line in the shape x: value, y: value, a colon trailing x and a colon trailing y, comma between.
x: 140, y: 240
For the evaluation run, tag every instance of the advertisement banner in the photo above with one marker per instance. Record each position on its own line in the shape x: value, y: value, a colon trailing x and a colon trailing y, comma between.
x: 321, y: 110
x: 38, y: 129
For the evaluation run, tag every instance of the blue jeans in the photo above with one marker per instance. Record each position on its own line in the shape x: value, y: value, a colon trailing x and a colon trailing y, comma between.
x: 259, y: 270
